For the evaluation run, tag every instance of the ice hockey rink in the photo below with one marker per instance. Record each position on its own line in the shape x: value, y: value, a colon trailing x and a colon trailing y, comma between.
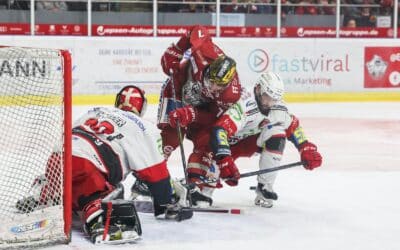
x: 351, y: 202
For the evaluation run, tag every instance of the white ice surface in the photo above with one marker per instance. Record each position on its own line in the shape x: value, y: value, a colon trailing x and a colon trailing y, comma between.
x: 352, y: 202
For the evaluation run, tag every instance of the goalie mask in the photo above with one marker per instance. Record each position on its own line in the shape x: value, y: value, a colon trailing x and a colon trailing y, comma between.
x: 220, y: 73
x: 268, y: 90
x: 131, y: 98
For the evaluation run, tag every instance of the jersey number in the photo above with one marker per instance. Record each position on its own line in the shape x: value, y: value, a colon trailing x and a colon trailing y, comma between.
x: 97, y: 127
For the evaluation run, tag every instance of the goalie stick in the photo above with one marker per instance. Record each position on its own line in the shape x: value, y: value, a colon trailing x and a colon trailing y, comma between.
x: 143, y: 206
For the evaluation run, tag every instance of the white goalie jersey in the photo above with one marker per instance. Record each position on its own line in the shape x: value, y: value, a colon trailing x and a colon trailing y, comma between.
x: 112, y: 138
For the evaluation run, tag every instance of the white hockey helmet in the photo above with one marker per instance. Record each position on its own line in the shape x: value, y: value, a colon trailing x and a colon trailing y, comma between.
x: 271, y: 84
x: 131, y: 98
x: 268, y: 90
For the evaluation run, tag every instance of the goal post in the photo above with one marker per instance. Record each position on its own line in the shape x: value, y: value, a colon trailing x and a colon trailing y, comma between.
x: 35, y: 147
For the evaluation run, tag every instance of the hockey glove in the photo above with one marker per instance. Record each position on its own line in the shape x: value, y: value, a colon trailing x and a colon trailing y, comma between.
x: 228, y: 171
x: 171, y: 58
x: 184, y: 115
x: 310, y: 156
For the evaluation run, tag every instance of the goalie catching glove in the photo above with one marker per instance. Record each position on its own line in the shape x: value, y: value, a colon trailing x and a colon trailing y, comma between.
x: 171, y: 58
x: 184, y: 116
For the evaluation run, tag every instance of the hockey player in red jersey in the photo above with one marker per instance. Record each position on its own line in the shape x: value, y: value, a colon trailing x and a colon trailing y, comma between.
x: 108, y: 145
x: 260, y: 122
x: 205, y: 83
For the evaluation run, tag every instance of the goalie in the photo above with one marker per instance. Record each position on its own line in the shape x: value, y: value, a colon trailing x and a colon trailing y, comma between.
x: 108, y: 144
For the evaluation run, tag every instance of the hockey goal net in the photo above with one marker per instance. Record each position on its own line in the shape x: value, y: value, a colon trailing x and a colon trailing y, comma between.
x: 35, y: 147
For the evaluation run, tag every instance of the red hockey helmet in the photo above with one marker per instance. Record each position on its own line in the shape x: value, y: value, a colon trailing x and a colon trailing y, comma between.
x: 131, y: 98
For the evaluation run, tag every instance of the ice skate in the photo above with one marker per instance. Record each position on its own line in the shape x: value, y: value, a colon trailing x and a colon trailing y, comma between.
x: 265, y: 196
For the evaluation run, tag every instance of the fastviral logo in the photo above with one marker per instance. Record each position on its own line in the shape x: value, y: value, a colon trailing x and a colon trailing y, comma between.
x: 259, y: 61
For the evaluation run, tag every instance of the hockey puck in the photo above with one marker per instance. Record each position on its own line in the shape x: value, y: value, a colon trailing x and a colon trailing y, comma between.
x: 253, y: 188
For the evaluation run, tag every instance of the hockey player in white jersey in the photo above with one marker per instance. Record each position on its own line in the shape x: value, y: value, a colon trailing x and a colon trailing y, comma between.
x: 260, y: 122
x: 108, y: 144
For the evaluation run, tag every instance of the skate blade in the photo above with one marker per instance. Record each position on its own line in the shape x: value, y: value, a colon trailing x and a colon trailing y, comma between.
x: 202, y: 204
x: 263, y: 204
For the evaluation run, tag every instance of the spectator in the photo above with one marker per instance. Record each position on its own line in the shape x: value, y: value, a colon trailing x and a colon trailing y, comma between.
x: 3, y: 4
x: 168, y: 7
x: 386, y: 7
x: 366, y: 19
x: 105, y: 6
x: 327, y: 8
x: 349, y: 8
x: 266, y: 8
x: 51, y: 6
x: 251, y: 7
x: 351, y: 23
x: 194, y: 7
x: 234, y: 7
x: 77, y: 6
x: 20, y: 5
x: 306, y: 8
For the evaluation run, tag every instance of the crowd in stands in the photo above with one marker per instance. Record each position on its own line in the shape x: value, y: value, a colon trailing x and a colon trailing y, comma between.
x: 357, y: 13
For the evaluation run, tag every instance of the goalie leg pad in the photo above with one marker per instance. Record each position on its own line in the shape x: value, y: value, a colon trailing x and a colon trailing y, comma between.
x: 118, y: 223
x: 122, y: 213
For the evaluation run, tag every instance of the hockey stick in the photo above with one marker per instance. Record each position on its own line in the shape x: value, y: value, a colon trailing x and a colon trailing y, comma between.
x: 258, y: 172
x: 268, y: 170
x: 178, y: 129
x: 143, y: 206
x: 215, y: 210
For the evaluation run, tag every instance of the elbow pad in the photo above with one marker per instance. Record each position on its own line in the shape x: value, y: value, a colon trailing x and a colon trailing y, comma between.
x: 295, y: 133
x: 219, y: 142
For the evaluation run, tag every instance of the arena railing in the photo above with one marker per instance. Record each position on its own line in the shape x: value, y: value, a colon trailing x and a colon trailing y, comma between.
x: 281, y: 16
